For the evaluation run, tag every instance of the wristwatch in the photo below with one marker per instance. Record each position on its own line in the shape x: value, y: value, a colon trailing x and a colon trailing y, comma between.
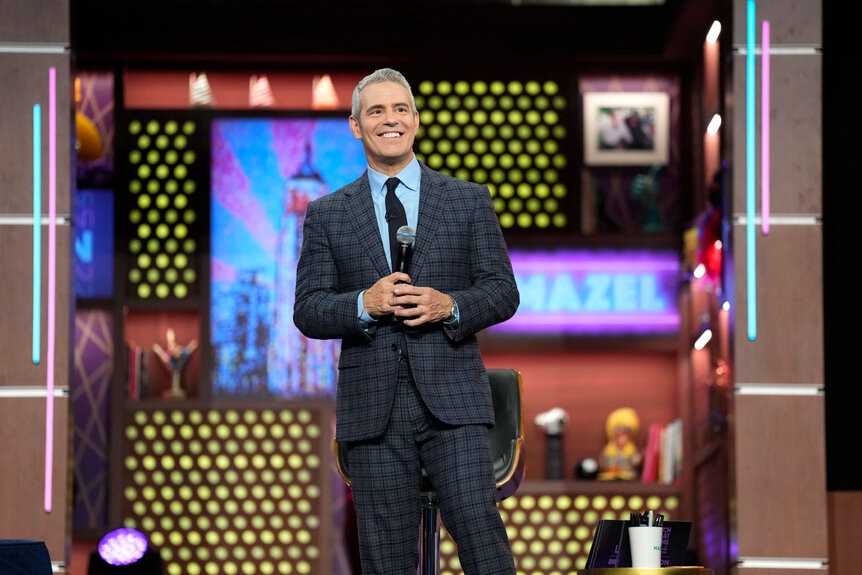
x: 453, y: 313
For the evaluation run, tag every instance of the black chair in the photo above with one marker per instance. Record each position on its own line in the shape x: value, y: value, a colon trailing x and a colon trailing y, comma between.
x: 507, y: 439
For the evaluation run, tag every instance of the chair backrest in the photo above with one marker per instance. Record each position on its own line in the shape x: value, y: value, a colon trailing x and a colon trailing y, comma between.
x: 506, y: 437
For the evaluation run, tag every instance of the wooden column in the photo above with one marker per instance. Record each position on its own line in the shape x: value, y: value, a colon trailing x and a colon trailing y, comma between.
x: 35, y: 181
x: 779, y: 479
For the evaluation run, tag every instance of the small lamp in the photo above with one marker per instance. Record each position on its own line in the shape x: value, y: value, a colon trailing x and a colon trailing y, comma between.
x: 323, y: 94
x: 200, y: 92
x: 260, y: 92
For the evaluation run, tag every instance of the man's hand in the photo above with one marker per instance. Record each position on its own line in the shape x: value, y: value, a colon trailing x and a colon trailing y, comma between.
x: 418, y: 305
x: 378, y: 299
x: 415, y: 305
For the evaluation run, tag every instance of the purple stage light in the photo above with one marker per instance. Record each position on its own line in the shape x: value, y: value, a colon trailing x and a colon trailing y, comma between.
x: 123, y: 546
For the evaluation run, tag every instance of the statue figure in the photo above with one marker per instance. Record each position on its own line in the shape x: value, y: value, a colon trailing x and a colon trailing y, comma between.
x: 175, y: 358
x: 621, y: 458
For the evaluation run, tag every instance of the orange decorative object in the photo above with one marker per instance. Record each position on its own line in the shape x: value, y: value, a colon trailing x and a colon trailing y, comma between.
x: 88, y: 141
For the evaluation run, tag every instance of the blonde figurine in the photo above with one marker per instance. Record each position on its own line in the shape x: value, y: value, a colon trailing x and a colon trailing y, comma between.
x: 621, y: 459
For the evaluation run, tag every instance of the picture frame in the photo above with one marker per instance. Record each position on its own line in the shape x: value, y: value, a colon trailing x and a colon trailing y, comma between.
x: 626, y: 128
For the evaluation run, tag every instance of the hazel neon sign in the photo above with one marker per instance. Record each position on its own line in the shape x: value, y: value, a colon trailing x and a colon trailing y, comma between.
x: 574, y: 292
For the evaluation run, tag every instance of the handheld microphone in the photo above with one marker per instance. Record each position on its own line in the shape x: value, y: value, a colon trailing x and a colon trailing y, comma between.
x: 406, y: 237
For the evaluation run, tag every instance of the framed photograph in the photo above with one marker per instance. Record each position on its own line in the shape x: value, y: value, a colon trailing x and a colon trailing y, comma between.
x: 626, y: 128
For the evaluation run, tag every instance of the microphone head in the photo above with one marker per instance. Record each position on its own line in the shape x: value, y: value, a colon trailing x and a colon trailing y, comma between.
x: 405, y: 236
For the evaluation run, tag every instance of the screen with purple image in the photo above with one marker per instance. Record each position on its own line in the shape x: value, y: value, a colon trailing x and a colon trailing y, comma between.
x: 264, y: 171
x: 94, y: 243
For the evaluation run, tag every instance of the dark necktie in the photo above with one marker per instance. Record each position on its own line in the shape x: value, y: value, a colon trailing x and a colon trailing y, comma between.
x: 395, y: 217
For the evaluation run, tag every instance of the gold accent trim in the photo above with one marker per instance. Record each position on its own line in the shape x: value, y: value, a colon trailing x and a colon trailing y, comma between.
x: 690, y: 570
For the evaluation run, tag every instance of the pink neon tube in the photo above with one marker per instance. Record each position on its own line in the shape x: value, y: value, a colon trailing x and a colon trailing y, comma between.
x: 52, y: 285
x: 764, y: 132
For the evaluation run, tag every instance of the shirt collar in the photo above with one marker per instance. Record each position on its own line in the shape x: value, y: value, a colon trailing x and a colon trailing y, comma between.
x: 409, y: 177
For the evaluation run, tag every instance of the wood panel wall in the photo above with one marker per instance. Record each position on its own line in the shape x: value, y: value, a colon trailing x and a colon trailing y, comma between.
x: 34, y: 428
x: 779, y: 480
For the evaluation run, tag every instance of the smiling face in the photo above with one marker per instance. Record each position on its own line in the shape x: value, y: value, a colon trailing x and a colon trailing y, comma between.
x: 387, y: 126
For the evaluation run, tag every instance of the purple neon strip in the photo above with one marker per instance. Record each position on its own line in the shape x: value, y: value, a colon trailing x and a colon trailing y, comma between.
x: 52, y: 285
x: 764, y: 131
x: 570, y: 260
x: 535, y: 323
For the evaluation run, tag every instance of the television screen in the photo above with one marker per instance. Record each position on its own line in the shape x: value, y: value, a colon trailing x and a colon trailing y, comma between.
x: 94, y: 243
x: 570, y: 292
x: 264, y: 171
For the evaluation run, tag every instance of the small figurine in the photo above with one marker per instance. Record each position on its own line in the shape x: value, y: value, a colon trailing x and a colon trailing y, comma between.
x: 175, y: 358
x: 621, y: 459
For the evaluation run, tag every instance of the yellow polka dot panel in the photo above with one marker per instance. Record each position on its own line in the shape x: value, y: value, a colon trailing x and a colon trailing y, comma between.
x: 165, y: 178
x: 254, y: 490
x: 230, y: 491
x: 508, y: 135
x: 551, y: 534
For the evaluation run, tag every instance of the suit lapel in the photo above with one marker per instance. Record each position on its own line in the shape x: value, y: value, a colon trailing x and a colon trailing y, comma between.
x: 360, y: 213
x: 431, y: 203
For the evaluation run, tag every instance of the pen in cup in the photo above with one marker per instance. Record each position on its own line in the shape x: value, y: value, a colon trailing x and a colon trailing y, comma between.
x: 646, y: 519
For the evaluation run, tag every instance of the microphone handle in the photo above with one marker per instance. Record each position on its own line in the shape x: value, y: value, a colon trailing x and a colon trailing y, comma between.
x: 402, y: 263
x: 404, y: 255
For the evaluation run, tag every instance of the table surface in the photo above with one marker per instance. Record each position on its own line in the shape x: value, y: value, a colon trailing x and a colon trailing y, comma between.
x: 682, y: 570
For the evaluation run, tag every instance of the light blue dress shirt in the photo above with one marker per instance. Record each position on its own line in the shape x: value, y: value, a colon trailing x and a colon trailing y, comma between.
x: 408, y: 192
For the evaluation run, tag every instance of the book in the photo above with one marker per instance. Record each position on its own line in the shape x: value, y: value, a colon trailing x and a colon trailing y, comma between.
x: 132, y: 359
x: 136, y: 371
x: 649, y: 473
x: 605, y: 548
x: 670, y: 459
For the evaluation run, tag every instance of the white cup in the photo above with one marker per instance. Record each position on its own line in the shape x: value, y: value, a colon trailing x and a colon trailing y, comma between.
x: 645, y: 545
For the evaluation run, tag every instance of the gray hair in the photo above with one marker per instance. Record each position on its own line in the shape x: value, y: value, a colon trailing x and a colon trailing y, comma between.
x: 381, y: 75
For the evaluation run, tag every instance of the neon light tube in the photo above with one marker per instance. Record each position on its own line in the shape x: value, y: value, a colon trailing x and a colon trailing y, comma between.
x: 764, y: 129
x: 52, y: 285
x: 37, y: 232
x: 751, y: 264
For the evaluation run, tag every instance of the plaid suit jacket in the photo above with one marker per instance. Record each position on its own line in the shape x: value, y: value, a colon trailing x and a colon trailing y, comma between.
x: 459, y: 250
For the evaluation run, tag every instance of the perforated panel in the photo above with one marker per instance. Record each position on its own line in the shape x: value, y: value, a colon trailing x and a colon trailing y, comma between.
x: 233, y: 491
x: 166, y: 184
x: 509, y: 136
x: 228, y: 491
x: 552, y: 534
